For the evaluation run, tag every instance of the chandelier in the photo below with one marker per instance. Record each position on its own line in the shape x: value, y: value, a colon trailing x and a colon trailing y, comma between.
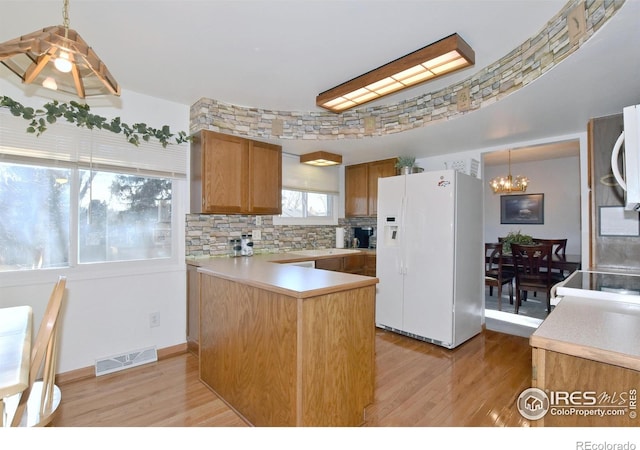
x: 509, y: 184
x: 59, y: 59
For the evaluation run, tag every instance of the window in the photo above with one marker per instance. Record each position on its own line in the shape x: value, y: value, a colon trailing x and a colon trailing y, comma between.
x: 309, y: 194
x: 307, y: 208
x: 121, y: 217
x: 306, y: 204
x: 76, y: 197
x: 34, y: 211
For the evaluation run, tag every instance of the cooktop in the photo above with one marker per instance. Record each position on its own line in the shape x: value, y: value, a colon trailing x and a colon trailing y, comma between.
x: 605, y: 285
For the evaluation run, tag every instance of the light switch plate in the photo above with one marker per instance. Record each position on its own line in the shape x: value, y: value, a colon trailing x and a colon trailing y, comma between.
x: 256, y: 235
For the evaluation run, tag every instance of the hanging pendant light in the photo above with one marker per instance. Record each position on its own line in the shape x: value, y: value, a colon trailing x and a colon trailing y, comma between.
x: 508, y: 184
x: 59, y: 59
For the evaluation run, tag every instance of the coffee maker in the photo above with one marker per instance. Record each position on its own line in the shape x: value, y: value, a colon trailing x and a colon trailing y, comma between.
x: 363, y: 236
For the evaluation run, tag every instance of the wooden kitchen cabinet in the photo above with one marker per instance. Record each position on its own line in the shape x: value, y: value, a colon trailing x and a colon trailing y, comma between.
x: 361, y: 186
x: 335, y: 264
x: 370, y: 265
x: 585, y: 352
x: 193, y: 309
x: 354, y: 264
x: 306, y: 358
x: 350, y: 264
x: 234, y: 175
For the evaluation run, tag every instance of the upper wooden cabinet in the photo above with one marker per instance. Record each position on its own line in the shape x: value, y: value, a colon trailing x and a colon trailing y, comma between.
x: 233, y: 175
x: 361, y: 186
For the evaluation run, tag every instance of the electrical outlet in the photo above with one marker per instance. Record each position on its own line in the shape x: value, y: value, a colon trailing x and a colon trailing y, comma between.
x: 258, y: 221
x: 256, y: 235
x: 154, y: 320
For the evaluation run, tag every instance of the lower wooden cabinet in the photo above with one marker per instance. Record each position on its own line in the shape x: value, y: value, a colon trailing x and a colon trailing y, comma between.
x: 370, y: 265
x: 193, y: 309
x: 351, y: 264
x: 587, y: 393
x: 354, y: 264
x: 283, y: 361
x: 335, y: 264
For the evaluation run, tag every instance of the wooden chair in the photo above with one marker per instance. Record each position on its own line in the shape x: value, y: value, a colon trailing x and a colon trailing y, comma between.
x: 38, y: 403
x: 533, y: 271
x: 559, y: 248
x: 495, y: 275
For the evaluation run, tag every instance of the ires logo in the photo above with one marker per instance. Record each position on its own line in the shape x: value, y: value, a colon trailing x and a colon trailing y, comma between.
x: 575, y: 398
x: 535, y: 403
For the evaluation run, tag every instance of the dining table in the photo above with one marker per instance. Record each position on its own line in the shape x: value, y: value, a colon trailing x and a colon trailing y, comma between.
x: 569, y: 263
x: 15, y: 352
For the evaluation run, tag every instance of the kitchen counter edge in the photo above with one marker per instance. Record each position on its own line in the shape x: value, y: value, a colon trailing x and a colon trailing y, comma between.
x: 263, y: 271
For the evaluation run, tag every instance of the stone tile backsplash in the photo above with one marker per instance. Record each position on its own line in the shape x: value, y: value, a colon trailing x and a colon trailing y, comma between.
x: 209, y: 234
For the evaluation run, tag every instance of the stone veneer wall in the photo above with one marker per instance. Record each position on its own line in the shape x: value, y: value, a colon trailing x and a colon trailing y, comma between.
x: 209, y: 234
x: 515, y: 70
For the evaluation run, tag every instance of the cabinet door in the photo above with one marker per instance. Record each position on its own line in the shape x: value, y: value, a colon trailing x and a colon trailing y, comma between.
x: 334, y: 264
x: 354, y: 264
x: 378, y: 169
x: 370, y: 266
x: 356, y: 189
x: 224, y: 173
x: 265, y: 178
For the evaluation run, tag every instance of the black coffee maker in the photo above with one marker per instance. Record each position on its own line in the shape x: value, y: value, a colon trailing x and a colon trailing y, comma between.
x: 363, y: 236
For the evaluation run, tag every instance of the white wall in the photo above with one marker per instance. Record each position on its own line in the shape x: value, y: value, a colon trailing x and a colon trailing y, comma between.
x: 107, y: 310
x: 576, y: 220
x: 559, y: 181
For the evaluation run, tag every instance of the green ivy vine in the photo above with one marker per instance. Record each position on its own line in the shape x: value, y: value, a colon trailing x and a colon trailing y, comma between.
x: 79, y: 114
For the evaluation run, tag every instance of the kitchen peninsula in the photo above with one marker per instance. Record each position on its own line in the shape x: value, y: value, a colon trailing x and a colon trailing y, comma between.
x: 285, y: 345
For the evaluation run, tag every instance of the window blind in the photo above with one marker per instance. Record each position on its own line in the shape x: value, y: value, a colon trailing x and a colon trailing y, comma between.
x: 303, y: 177
x: 100, y: 149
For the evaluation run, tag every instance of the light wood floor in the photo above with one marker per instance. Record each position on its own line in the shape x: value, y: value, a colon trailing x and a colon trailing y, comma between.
x: 417, y: 385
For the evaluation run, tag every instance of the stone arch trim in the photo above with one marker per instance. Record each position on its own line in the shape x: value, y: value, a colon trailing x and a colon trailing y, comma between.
x: 522, y: 66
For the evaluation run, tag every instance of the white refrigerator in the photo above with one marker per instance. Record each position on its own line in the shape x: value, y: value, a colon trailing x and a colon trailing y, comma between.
x: 430, y: 256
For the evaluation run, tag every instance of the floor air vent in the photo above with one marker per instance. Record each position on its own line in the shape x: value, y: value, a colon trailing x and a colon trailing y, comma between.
x: 125, y: 361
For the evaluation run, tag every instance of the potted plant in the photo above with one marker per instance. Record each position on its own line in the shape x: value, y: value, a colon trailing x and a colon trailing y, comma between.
x: 515, y: 237
x: 405, y: 164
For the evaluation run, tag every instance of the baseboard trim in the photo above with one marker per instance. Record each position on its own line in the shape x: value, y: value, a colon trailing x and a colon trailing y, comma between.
x: 90, y: 372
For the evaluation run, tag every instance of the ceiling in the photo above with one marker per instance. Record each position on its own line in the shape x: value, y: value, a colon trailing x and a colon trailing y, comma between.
x: 279, y: 54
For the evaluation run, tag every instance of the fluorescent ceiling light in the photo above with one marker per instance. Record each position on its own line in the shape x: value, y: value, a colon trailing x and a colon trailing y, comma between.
x: 444, y: 56
x: 321, y: 158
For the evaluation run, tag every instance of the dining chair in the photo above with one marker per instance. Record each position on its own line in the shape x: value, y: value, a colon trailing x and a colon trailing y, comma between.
x: 38, y: 403
x: 495, y: 273
x: 558, y: 248
x: 532, y: 271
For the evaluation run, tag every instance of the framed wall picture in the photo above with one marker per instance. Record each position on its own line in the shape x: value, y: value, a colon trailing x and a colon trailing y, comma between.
x: 522, y: 209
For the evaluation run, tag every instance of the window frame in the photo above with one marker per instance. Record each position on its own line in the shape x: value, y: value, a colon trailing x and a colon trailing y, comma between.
x: 106, y: 269
x: 311, y: 220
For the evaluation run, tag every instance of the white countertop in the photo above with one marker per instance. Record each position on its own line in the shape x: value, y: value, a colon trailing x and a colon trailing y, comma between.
x: 606, y: 331
x: 15, y: 349
x: 263, y: 271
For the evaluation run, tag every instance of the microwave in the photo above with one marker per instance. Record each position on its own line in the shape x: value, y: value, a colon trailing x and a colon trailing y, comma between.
x: 629, y: 177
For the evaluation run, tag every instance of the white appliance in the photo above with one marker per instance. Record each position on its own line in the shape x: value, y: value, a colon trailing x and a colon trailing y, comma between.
x: 429, y: 256
x: 623, y: 287
x: 630, y: 136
